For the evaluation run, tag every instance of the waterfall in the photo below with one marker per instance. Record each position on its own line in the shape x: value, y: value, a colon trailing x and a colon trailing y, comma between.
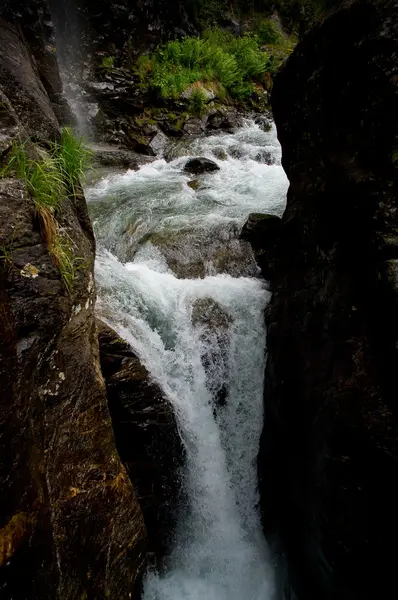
x: 203, y: 341
x: 72, y: 63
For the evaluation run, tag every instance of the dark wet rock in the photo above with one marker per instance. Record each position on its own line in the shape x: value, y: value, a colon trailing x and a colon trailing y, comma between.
x: 264, y: 121
x: 200, y: 165
x: 209, y: 313
x: 171, y: 128
x: 67, y: 506
x: 146, y: 435
x: 236, y: 152
x: 218, y: 251
x: 220, y: 153
x: 98, y: 25
x: 329, y: 450
x: 114, y: 156
x: 262, y: 231
x: 70, y: 524
x: 266, y: 157
x: 194, y: 126
x: 224, y: 120
x: 31, y: 23
x: 20, y: 79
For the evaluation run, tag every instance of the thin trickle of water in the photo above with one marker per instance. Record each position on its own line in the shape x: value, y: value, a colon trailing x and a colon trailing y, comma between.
x: 203, y: 341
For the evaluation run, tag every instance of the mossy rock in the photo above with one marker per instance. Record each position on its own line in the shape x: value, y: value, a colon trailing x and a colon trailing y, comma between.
x: 194, y: 184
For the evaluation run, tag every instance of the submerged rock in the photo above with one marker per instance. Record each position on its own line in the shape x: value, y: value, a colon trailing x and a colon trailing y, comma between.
x: 200, y: 165
x: 146, y: 435
x: 194, y: 184
x: 214, y: 323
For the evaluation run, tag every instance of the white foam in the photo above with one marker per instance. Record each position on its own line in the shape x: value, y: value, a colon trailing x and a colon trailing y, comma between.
x: 219, y: 552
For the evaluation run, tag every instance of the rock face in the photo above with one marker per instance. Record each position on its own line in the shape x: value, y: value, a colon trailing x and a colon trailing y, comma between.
x: 146, y: 436
x: 263, y: 232
x: 33, y: 29
x: 131, y: 25
x: 329, y: 454
x: 70, y: 523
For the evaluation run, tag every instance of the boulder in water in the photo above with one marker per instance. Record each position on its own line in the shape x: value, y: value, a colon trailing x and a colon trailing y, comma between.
x: 200, y: 165
x: 194, y: 184
x: 226, y: 121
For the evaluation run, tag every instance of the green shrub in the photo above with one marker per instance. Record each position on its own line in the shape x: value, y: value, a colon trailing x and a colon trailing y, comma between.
x: 219, y: 59
x: 197, y: 101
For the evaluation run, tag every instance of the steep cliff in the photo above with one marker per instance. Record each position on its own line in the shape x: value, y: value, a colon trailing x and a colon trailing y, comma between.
x: 329, y: 454
x: 70, y: 523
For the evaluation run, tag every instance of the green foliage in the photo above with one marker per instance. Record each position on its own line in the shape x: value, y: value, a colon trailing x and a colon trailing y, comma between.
x: 73, y: 158
x: 108, y: 62
x: 224, y: 62
x: 197, y: 101
x: 268, y: 32
x: 42, y: 177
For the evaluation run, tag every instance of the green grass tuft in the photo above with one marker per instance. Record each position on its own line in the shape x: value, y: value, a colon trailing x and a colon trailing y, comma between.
x: 197, y: 101
x: 49, y: 177
x: 74, y: 159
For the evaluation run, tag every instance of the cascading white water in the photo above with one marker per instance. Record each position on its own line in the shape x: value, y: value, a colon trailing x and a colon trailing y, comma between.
x: 197, y: 336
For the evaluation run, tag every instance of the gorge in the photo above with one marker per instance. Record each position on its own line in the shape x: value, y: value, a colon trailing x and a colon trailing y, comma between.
x: 197, y: 358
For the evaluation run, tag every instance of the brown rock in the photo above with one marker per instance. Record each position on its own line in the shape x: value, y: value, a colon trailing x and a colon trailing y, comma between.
x: 70, y: 523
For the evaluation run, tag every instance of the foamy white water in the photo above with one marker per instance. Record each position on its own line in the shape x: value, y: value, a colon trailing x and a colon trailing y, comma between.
x: 199, y: 338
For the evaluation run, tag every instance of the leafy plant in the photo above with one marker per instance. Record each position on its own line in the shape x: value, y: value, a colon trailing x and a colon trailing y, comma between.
x: 226, y: 63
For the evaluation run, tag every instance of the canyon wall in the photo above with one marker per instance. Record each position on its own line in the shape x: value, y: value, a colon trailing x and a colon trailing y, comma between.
x: 70, y: 523
x: 329, y: 452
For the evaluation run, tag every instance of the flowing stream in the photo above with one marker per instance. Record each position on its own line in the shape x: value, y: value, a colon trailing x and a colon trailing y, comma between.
x: 177, y: 283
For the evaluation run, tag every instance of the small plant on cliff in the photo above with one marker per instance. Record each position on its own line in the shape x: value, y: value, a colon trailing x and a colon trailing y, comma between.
x: 42, y: 177
x: 49, y: 178
x: 73, y: 157
x: 108, y: 62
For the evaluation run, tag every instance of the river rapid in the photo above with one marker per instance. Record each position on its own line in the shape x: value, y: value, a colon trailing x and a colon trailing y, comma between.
x: 178, y: 284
